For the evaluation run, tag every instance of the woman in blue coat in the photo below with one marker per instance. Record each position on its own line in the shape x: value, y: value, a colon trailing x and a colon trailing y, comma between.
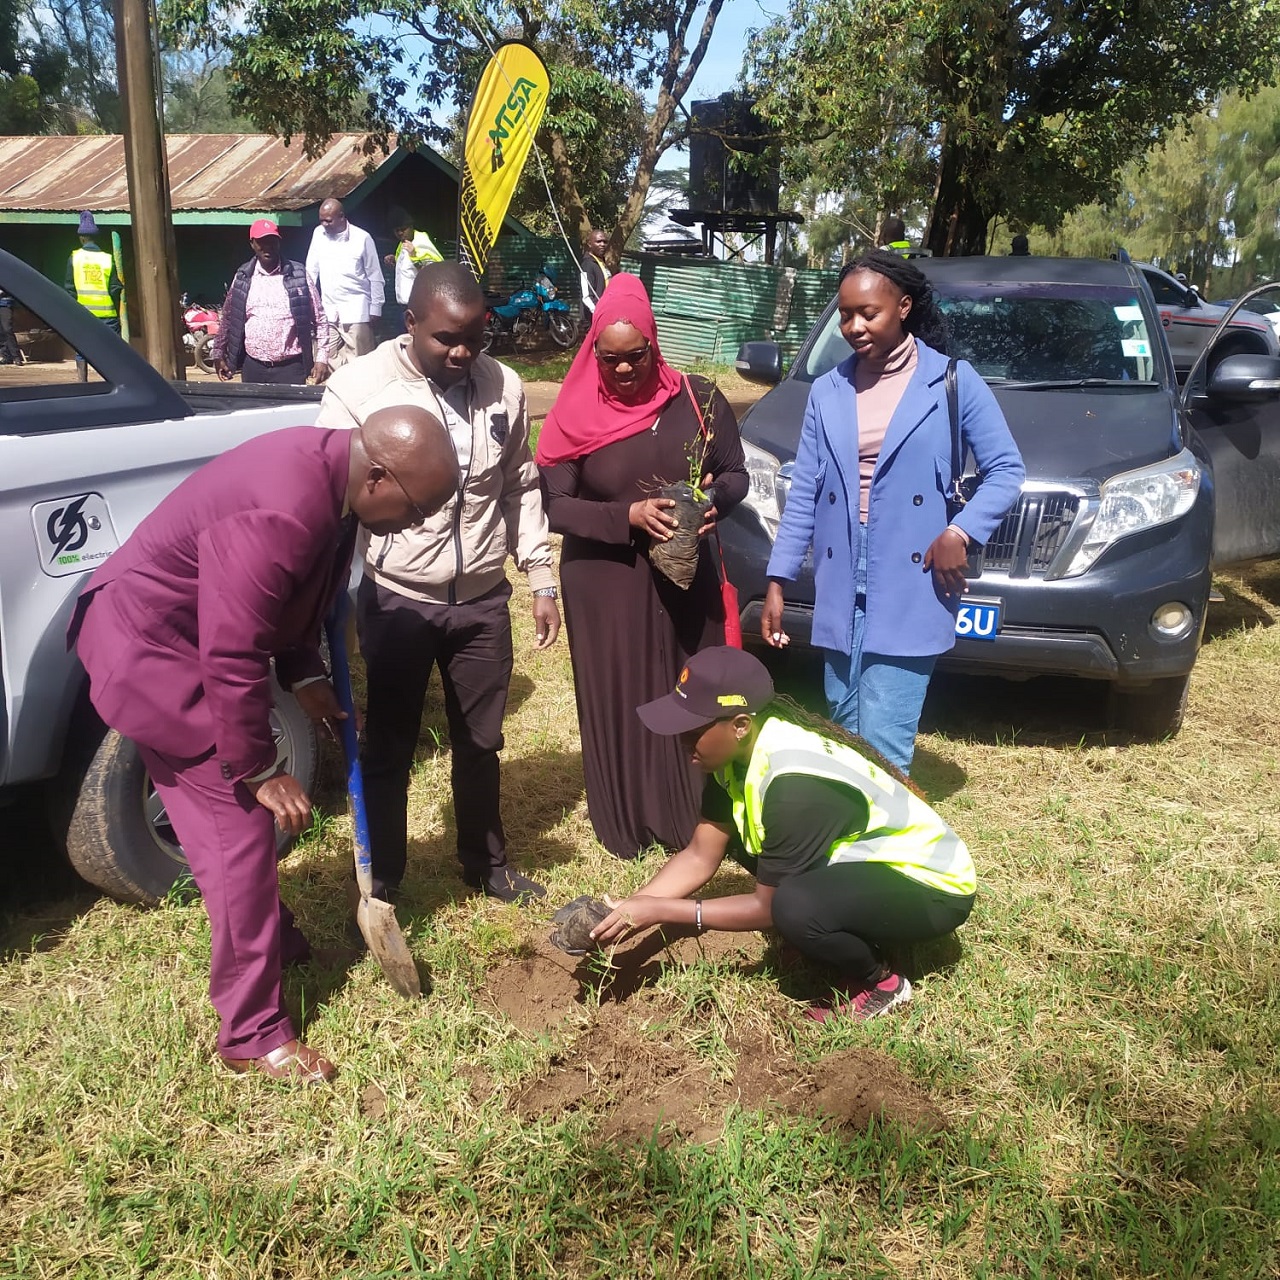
x: 869, y: 494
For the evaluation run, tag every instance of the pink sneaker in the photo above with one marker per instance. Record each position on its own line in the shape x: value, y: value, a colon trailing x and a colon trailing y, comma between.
x: 887, y: 994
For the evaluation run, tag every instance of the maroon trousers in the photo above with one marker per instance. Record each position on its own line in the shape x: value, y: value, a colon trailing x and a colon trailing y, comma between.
x: 230, y: 843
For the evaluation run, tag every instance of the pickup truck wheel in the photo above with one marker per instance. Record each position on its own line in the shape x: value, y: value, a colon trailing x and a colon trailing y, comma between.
x: 1154, y: 712
x: 120, y: 838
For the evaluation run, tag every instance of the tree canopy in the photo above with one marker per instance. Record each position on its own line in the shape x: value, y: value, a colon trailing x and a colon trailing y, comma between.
x: 1205, y: 201
x: 58, y: 74
x: 618, y: 74
x: 1023, y: 109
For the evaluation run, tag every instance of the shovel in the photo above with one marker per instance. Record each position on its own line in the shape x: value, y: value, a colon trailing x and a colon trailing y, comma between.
x: 377, y: 919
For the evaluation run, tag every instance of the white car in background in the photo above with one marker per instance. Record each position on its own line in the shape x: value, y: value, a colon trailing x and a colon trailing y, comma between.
x: 1189, y: 322
x: 1264, y: 307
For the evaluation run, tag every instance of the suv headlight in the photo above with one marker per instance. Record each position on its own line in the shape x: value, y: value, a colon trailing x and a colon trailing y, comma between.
x: 1138, y: 500
x: 762, y: 495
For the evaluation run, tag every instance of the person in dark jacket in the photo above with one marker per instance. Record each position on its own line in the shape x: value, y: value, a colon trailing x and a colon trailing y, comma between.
x: 273, y: 326
x: 594, y: 275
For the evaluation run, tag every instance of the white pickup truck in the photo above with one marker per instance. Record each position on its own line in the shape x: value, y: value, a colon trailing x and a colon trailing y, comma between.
x: 81, y: 464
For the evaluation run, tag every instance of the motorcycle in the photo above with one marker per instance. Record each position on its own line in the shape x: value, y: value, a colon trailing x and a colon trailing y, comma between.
x: 524, y: 312
x: 201, y: 321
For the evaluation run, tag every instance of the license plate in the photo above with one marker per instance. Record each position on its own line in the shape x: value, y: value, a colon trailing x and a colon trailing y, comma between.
x: 978, y: 619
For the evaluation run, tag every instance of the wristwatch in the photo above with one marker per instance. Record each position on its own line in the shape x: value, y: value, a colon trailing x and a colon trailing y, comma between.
x: 553, y: 592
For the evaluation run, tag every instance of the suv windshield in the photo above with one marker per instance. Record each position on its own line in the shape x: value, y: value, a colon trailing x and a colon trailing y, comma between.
x: 1029, y: 333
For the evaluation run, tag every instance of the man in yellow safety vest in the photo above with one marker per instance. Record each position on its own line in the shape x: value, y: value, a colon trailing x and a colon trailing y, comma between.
x: 91, y: 276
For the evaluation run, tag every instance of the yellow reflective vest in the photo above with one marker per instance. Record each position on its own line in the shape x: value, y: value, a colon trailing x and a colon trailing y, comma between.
x: 902, y: 831
x: 421, y: 250
x: 91, y: 274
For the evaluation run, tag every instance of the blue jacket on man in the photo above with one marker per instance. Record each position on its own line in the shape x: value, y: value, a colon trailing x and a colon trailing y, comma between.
x: 906, y: 615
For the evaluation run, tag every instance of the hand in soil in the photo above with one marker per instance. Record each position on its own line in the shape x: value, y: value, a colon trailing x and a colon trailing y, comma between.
x: 576, y: 919
x: 649, y: 516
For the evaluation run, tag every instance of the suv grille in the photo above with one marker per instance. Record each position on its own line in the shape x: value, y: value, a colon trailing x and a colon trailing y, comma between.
x: 1031, y: 535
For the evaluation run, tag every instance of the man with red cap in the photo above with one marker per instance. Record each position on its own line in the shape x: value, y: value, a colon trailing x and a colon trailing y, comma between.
x: 273, y: 326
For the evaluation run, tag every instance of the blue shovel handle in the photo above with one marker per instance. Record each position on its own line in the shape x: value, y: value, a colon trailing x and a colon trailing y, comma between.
x: 335, y: 629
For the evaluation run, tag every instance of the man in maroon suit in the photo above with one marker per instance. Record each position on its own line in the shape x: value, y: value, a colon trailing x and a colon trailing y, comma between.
x: 177, y: 631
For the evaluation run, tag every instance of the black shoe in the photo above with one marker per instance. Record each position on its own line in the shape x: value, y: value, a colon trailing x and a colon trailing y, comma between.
x: 504, y: 883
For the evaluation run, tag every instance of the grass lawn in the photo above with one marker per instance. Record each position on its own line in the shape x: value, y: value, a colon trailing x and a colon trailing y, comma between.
x: 1086, y: 1084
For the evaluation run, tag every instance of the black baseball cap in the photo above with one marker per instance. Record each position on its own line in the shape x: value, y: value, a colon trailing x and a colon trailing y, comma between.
x: 714, y: 684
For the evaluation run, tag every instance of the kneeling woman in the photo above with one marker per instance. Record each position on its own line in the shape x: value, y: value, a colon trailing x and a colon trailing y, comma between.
x: 846, y: 857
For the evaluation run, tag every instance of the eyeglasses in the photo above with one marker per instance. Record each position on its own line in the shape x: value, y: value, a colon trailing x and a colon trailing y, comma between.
x: 615, y: 358
x: 418, y: 511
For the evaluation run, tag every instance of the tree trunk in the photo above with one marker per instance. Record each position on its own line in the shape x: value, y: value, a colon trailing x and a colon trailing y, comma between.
x: 958, y: 224
x: 578, y: 224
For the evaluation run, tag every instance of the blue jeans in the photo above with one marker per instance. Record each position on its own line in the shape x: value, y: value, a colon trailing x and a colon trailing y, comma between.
x: 877, y: 696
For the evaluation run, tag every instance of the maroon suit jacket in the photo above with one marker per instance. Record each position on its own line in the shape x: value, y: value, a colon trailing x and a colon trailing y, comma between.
x: 239, y: 564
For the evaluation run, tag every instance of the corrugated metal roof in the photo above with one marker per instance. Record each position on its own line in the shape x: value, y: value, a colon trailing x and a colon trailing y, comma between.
x: 206, y: 171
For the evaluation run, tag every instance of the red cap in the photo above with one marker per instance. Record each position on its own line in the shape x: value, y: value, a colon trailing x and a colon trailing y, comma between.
x: 263, y: 227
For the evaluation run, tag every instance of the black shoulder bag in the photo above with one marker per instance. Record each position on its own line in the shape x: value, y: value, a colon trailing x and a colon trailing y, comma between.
x: 962, y: 487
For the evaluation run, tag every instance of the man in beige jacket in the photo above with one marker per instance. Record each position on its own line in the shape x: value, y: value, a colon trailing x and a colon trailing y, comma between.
x: 437, y: 593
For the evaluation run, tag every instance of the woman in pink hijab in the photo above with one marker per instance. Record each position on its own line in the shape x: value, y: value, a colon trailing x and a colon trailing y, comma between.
x: 624, y: 424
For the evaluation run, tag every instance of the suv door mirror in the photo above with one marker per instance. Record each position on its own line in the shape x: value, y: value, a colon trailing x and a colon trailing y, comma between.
x: 760, y: 362
x: 1245, y: 378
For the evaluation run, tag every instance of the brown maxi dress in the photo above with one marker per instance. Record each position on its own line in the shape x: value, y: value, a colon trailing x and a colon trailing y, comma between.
x: 630, y: 629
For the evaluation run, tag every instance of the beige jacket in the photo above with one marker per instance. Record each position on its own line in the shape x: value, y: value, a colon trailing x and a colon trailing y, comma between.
x: 461, y: 552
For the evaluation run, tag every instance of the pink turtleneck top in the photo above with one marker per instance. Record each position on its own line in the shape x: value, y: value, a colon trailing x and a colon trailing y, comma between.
x: 878, y: 395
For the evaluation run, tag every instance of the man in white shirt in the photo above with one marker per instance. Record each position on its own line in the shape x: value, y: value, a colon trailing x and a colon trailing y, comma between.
x: 343, y: 263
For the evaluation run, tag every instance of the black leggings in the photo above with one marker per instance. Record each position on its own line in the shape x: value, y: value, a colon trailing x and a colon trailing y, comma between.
x: 837, y: 913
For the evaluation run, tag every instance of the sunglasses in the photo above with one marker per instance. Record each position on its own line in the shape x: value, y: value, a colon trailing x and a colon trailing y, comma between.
x: 614, y: 358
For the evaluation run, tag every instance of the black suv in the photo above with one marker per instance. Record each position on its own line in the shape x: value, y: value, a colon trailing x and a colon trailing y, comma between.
x: 1134, y: 488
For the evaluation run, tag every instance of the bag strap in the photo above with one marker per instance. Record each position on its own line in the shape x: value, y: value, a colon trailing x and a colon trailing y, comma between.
x: 721, y: 571
x: 953, y: 415
x: 697, y: 409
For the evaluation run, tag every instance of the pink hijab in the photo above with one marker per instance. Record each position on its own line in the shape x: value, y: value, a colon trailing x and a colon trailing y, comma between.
x: 586, y: 416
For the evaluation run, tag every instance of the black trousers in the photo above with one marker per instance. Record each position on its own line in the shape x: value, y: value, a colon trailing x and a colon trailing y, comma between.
x: 837, y: 913
x: 401, y: 640
x: 287, y: 373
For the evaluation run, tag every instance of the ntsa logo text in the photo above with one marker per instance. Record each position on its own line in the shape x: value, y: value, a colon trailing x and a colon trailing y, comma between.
x: 510, y: 113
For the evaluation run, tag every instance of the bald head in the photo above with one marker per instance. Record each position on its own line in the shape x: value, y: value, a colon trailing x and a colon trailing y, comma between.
x: 332, y: 217
x: 403, y: 468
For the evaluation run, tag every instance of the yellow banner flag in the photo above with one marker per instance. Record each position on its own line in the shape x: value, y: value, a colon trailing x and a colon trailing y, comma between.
x: 505, y: 115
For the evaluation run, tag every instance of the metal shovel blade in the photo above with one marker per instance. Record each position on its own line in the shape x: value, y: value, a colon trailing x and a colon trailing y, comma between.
x: 376, y: 918
x: 381, y: 931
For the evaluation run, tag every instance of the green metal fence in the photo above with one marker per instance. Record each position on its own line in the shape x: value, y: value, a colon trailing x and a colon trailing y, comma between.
x: 705, y: 309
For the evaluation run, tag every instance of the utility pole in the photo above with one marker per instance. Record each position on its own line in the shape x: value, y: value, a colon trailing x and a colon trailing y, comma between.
x: 155, y: 259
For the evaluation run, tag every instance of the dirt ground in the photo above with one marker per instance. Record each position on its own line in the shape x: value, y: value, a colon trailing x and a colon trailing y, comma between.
x: 631, y: 1062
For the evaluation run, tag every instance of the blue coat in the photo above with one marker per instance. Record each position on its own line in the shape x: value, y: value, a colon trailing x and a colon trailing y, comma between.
x: 906, y: 615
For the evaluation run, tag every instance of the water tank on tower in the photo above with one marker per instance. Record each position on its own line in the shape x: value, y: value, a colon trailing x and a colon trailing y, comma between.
x: 721, y: 128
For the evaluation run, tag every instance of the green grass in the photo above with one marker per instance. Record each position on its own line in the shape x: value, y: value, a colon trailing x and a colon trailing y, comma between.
x: 1102, y: 1038
x: 538, y: 366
